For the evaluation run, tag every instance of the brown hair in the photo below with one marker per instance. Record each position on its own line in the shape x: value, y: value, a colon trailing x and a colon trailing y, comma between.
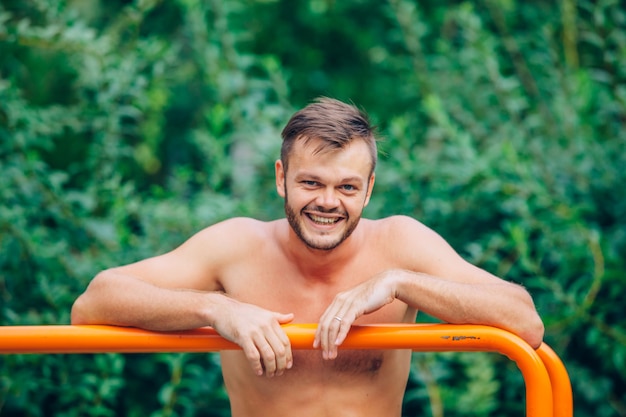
x: 334, y: 122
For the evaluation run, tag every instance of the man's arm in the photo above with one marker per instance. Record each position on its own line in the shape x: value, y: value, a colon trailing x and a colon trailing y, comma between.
x: 116, y: 298
x: 437, y: 281
x: 180, y: 290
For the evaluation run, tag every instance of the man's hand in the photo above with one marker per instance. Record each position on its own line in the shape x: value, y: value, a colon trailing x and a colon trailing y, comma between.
x: 259, y: 333
x: 349, y: 305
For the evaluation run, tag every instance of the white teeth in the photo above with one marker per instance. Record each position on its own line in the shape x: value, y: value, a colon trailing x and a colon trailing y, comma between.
x: 323, y: 220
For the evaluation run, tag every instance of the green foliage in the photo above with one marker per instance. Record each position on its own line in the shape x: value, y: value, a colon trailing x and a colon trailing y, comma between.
x: 439, y: 375
x: 127, y: 126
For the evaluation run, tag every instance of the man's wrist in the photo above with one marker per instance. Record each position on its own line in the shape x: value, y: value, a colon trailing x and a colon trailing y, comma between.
x: 213, y: 306
x: 402, y: 282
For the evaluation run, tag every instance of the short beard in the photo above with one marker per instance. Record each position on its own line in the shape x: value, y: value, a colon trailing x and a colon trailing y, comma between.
x: 292, y: 219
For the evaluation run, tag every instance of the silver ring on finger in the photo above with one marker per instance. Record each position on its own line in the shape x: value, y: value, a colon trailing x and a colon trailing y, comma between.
x: 339, y: 319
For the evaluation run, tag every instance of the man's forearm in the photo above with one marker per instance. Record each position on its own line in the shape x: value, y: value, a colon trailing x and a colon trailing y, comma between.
x: 127, y: 301
x: 504, y: 305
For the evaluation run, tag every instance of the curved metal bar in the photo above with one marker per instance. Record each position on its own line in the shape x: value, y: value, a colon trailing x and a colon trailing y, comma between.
x: 559, y: 378
x: 417, y: 337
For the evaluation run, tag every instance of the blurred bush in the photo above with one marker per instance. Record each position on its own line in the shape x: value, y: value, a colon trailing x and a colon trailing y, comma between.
x: 127, y: 126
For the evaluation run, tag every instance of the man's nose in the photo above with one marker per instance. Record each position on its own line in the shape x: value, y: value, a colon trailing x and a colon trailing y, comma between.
x: 328, y: 198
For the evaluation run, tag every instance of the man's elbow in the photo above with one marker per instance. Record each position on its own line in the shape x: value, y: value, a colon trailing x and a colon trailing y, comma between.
x: 530, y: 326
x: 533, y: 332
x: 78, y: 314
x: 84, y: 309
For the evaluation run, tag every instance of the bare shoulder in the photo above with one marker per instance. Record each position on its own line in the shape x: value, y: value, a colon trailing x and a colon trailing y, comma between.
x: 244, y: 225
x: 231, y: 236
x: 399, y: 230
x: 199, y: 262
x: 412, y: 244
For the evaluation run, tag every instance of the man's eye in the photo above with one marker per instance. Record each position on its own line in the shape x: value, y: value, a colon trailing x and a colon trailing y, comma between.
x: 348, y: 187
x: 310, y: 183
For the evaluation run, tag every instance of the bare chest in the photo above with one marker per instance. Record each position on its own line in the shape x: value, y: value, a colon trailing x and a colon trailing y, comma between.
x: 321, y: 387
x: 270, y: 281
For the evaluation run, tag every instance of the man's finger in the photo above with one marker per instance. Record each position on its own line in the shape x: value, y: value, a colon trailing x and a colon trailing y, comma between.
x: 268, y: 356
x: 339, y: 327
x: 329, y: 325
x: 343, y: 332
x: 281, y: 348
x: 254, y: 357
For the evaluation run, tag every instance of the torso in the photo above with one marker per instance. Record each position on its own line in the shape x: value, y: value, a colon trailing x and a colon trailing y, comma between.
x: 363, y: 382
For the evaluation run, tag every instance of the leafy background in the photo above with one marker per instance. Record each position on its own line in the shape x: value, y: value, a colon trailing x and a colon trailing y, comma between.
x: 126, y: 126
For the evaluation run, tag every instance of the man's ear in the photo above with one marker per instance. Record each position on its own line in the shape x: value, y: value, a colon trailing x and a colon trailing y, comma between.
x: 280, y: 178
x: 370, y: 187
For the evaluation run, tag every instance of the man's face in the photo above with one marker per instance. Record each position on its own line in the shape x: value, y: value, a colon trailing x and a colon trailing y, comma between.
x: 325, y: 192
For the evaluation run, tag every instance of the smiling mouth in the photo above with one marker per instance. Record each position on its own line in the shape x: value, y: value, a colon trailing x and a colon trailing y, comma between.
x: 323, y: 220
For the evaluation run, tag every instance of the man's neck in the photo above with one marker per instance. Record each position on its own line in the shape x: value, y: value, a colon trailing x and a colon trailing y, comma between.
x: 318, y: 264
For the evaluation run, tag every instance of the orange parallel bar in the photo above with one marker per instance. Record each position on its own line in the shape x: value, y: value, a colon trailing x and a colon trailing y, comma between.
x: 559, y: 379
x: 418, y: 337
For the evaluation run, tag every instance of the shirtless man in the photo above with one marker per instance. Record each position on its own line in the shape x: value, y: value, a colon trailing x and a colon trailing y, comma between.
x: 321, y: 264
